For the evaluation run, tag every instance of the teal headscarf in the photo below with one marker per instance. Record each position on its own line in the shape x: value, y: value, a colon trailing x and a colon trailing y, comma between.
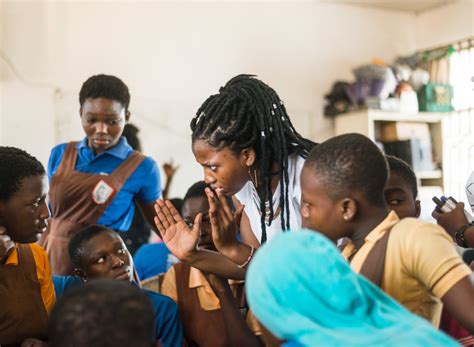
x: 302, y: 289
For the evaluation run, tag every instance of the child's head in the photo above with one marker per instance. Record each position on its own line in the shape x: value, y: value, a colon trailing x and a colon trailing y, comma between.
x: 244, y: 133
x: 401, y: 189
x: 104, y: 313
x: 99, y: 252
x: 23, y: 189
x: 195, y: 202
x: 343, y: 179
x: 130, y: 132
x: 104, y: 102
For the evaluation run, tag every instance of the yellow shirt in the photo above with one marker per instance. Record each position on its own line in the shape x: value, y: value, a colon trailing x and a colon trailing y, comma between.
x: 43, y: 271
x: 421, y: 264
x: 207, y: 298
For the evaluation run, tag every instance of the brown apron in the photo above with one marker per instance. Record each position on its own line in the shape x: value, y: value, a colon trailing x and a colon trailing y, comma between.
x: 73, y: 197
x: 22, y: 311
x: 201, y: 328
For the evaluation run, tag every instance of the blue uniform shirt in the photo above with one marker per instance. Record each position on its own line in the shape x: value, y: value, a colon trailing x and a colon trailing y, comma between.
x: 143, y: 185
x: 168, y: 327
x: 153, y: 259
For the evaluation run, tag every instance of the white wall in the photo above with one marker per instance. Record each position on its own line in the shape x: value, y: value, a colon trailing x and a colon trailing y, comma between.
x: 445, y: 24
x: 174, y: 55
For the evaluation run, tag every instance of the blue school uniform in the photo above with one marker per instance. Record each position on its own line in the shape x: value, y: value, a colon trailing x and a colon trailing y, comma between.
x: 143, y: 185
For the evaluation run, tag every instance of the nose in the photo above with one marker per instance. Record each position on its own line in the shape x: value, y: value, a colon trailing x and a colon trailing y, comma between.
x: 44, y: 210
x: 117, y: 262
x: 101, y: 128
x: 209, y: 177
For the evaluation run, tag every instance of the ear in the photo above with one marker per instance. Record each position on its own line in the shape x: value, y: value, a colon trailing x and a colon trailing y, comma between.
x: 249, y: 156
x: 417, y: 208
x: 348, y: 209
x: 127, y: 116
x: 81, y: 274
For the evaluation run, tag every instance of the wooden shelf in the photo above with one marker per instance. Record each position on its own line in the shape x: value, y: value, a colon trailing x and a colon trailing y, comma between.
x: 429, y: 175
x: 421, y: 117
x: 369, y: 122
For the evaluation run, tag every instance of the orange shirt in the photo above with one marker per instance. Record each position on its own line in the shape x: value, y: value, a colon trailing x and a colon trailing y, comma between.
x: 43, y: 272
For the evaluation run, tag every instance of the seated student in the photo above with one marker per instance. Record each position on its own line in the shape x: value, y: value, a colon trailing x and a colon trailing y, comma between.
x: 343, y: 183
x: 98, y: 252
x: 400, y: 194
x: 401, y: 189
x: 209, y: 308
x: 104, y: 313
x: 26, y: 288
x: 309, y: 296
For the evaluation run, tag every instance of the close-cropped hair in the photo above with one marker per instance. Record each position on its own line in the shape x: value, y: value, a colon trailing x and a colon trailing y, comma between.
x: 107, y: 87
x: 16, y: 165
x: 350, y: 162
x: 401, y: 168
x: 79, y: 240
x: 105, y: 313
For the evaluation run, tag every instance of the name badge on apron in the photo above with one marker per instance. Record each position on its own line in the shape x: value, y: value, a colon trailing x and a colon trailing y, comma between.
x: 102, y: 192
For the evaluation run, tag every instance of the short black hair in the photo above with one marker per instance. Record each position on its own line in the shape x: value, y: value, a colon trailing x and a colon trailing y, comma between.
x: 177, y: 203
x: 130, y: 132
x: 16, y: 165
x: 401, y: 167
x: 104, y: 313
x: 105, y: 86
x: 197, y: 190
x: 248, y: 113
x: 78, y: 241
x: 350, y: 162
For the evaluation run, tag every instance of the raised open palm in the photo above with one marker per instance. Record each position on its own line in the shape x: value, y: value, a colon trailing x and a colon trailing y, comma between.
x: 225, y: 223
x: 181, y: 240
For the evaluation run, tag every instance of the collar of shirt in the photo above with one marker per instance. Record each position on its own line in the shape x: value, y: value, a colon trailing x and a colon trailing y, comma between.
x: 372, y: 237
x: 13, y: 257
x: 120, y: 150
x: 197, y: 279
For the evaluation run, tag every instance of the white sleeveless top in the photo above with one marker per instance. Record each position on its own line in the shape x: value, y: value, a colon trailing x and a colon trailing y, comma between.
x: 248, y: 196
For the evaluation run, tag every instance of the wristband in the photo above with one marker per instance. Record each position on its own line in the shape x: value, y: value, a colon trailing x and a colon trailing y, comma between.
x: 459, y: 234
x: 252, y: 251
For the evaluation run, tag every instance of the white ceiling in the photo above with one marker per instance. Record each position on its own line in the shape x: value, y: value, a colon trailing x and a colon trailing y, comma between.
x: 415, y: 6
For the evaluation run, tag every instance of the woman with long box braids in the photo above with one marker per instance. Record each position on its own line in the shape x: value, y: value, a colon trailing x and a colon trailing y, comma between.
x: 249, y: 149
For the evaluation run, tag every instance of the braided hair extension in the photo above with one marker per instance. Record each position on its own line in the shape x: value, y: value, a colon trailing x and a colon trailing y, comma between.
x: 248, y: 113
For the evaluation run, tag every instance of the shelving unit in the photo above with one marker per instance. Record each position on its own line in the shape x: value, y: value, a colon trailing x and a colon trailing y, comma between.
x: 369, y: 123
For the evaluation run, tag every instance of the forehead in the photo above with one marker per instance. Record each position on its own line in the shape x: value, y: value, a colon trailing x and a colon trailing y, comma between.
x: 193, y: 206
x: 103, y: 242
x: 397, y: 182
x: 93, y: 106
x: 205, y: 153
x: 32, y: 187
x: 309, y: 179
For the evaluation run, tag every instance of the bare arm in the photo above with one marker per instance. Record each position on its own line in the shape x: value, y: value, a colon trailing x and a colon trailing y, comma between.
x: 459, y: 301
x: 148, y: 212
x: 169, y: 170
x: 237, y: 330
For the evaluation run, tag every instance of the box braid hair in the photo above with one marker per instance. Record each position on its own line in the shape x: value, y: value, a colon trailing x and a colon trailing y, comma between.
x: 248, y: 113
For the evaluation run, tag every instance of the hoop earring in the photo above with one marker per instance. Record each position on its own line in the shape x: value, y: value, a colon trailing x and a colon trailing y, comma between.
x: 255, y: 183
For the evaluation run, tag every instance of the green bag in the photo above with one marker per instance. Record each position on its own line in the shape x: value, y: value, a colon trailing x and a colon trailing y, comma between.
x: 436, y: 97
